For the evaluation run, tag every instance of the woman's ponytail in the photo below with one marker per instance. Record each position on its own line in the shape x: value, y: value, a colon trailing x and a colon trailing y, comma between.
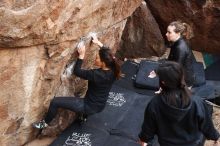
x: 117, y: 69
x: 188, y: 32
x: 185, y: 92
x: 183, y: 28
x: 107, y: 57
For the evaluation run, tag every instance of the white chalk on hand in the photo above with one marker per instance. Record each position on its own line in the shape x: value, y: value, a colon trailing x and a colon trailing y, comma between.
x: 93, y: 35
x: 69, y: 69
x: 80, y: 44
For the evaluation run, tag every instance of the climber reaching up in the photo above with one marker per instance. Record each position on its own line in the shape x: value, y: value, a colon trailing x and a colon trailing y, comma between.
x: 99, y: 84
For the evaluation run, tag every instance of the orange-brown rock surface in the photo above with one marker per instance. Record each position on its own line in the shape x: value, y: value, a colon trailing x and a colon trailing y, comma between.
x: 141, y: 36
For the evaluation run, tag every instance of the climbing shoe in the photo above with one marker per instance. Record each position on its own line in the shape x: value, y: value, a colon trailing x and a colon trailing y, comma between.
x: 40, y: 125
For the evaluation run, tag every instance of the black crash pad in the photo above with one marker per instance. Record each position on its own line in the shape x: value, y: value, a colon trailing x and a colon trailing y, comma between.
x: 133, y: 118
x: 81, y: 135
x: 120, y: 141
x: 120, y: 101
x: 199, y: 73
x: 129, y: 69
x: 142, y: 80
x: 210, y: 90
x: 118, y: 124
x: 212, y: 72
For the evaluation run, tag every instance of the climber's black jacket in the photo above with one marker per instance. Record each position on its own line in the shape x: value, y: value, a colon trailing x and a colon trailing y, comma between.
x: 99, y: 84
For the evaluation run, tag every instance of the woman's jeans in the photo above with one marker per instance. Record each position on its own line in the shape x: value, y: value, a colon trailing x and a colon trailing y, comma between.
x: 74, y: 104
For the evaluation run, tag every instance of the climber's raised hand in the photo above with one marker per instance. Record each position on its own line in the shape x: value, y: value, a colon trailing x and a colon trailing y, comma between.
x: 96, y: 41
x: 81, y: 50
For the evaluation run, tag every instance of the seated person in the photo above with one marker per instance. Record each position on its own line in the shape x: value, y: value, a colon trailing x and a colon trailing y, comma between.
x: 177, y: 33
x: 174, y: 115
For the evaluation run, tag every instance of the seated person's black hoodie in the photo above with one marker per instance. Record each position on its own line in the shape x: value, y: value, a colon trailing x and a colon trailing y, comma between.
x: 178, y: 126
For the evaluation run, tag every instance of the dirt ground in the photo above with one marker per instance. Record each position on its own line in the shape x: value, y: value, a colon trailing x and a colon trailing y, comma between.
x: 216, y: 120
x: 41, y: 142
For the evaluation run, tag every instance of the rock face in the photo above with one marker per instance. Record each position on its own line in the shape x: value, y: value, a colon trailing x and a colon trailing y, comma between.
x: 202, y: 15
x: 37, y: 42
x: 141, y: 36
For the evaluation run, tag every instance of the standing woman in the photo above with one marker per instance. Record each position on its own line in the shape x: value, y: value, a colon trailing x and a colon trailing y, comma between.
x: 174, y: 115
x: 99, y: 84
x: 177, y: 34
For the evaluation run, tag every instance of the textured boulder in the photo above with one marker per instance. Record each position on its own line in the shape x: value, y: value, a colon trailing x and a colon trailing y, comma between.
x: 202, y: 15
x: 42, y: 21
x: 141, y: 36
x: 37, y: 42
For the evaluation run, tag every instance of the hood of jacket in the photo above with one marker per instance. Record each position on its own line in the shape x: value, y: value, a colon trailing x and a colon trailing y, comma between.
x: 172, y: 112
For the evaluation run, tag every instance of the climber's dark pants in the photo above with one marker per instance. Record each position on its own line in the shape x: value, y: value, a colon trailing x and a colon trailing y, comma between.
x: 71, y: 103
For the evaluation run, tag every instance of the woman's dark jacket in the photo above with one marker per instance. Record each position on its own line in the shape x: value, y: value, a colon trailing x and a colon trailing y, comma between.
x: 99, y: 84
x: 177, y: 126
x: 181, y: 53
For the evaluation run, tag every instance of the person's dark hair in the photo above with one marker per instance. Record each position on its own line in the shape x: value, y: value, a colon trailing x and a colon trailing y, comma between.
x: 110, y: 61
x: 172, y: 82
x: 183, y: 28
